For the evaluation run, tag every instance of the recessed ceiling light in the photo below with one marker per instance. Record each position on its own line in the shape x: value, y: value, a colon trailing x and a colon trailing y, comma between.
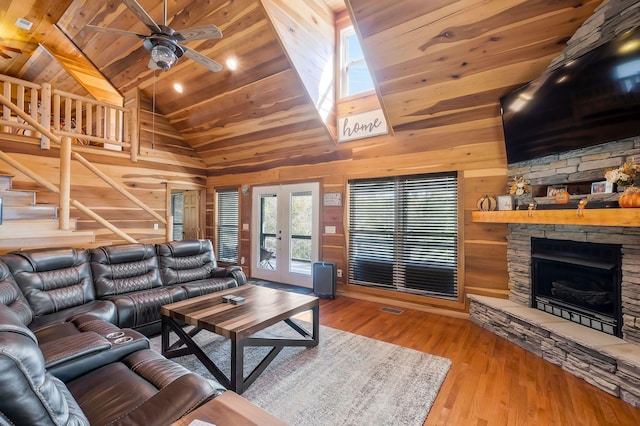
x: 232, y: 64
x: 24, y: 24
x: 178, y: 87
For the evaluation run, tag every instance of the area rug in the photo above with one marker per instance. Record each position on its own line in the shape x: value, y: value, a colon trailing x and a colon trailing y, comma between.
x: 346, y: 380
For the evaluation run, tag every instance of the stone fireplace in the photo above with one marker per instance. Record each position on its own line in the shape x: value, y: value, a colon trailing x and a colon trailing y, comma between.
x: 520, y: 248
x: 607, y: 352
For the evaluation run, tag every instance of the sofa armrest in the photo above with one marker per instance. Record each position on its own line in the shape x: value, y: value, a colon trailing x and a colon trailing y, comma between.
x: 170, y: 403
x: 219, y: 272
x: 73, y: 347
x: 236, y: 272
x: 70, y: 357
x: 233, y: 271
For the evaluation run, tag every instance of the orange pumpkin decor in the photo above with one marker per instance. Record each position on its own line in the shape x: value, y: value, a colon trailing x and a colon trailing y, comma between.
x: 562, y: 197
x: 486, y: 203
x: 630, y: 198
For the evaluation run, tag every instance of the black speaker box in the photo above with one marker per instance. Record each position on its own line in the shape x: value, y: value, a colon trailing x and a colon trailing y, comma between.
x: 324, y: 279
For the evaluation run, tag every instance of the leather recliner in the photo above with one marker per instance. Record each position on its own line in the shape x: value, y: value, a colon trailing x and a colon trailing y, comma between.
x: 29, y: 394
x: 128, y: 276
x: 58, y: 285
x: 71, y: 348
x: 142, y: 388
x: 192, y: 265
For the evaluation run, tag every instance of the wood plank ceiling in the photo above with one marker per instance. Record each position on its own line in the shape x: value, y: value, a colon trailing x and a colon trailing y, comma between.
x: 436, y: 63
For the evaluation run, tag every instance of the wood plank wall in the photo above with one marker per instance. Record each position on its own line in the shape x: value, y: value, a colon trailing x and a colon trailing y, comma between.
x: 158, y: 138
x: 306, y: 28
x: 481, y: 169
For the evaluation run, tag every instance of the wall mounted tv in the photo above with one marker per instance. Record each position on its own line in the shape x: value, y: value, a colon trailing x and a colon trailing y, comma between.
x: 587, y: 101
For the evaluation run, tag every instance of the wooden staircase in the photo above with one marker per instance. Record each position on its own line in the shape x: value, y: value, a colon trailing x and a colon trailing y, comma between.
x: 26, y: 224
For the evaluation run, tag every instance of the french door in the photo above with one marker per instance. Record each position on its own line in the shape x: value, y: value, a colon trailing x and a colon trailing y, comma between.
x: 285, y: 233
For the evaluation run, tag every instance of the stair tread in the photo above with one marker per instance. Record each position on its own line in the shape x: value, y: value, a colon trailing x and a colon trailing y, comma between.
x: 59, y: 238
x: 39, y: 211
x: 17, y: 198
x: 33, y: 191
x: 49, y: 233
x: 5, y: 181
x: 20, y: 227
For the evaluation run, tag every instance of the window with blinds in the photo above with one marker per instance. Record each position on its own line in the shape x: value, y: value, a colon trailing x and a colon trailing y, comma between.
x: 403, y: 234
x: 227, y: 226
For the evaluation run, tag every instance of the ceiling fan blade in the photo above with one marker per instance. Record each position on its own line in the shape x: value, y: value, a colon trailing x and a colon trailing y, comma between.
x: 206, y: 32
x: 142, y: 15
x: 114, y: 31
x: 202, y: 60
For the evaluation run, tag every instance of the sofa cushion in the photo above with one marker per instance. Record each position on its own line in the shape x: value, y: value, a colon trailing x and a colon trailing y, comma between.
x: 144, y: 389
x: 142, y: 308
x: 192, y: 265
x: 29, y: 395
x: 185, y: 261
x: 211, y: 285
x: 124, y: 269
x: 102, y: 309
x: 12, y: 297
x: 52, y: 280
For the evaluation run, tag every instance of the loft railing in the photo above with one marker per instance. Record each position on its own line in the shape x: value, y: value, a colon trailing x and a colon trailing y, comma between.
x: 33, y: 120
x: 86, y: 121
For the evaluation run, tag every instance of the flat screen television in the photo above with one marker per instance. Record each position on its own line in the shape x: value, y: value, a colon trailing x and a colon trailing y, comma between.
x: 587, y: 101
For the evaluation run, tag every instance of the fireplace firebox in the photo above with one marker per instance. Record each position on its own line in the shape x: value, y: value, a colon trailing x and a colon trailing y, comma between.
x: 578, y: 281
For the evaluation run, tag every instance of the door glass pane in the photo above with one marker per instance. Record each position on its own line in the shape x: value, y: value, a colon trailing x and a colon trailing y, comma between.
x: 301, y: 229
x: 268, y: 231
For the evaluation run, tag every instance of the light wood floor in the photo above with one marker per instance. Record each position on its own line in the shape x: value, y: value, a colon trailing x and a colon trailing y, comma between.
x: 491, y: 381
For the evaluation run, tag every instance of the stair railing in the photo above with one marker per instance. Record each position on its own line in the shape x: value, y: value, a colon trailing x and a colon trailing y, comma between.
x: 66, y: 154
x: 86, y: 121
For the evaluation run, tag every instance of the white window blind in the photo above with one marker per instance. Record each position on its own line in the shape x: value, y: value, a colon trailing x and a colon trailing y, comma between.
x: 403, y: 234
x: 227, y: 226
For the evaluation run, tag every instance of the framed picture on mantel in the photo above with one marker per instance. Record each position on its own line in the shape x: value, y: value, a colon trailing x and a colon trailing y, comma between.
x: 505, y: 202
x: 553, y: 190
x: 603, y: 187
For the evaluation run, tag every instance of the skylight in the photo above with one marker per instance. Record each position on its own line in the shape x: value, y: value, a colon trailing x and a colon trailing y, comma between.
x: 355, y: 75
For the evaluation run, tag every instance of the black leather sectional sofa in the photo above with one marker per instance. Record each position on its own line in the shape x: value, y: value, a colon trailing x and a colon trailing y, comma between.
x: 73, y: 326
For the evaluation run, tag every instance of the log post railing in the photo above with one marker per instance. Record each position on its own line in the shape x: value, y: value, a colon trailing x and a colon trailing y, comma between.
x: 86, y: 121
x: 65, y: 183
x: 65, y: 169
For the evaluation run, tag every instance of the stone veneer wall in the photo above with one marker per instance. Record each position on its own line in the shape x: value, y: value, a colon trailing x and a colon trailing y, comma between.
x: 580, y: 165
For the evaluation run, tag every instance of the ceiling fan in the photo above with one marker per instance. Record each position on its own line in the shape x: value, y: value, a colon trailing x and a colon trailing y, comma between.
x: 163, y: 42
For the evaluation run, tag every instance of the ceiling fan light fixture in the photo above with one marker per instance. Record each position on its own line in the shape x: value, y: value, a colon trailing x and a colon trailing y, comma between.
x: 232, y: 64
x: 163, y: 56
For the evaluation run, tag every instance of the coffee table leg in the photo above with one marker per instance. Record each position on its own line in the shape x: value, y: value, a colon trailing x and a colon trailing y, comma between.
x: 316, y: 325
x: 165, y: 335
x: 237, y: 366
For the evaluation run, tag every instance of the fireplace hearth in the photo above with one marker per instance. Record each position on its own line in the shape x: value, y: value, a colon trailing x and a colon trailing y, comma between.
x: 578, y: 281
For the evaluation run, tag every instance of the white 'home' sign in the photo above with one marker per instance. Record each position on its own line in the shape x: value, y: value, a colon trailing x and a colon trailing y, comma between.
x: 364, y: 125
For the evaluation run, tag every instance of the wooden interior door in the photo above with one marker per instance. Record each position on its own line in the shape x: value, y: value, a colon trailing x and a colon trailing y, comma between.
x: 190, y: 218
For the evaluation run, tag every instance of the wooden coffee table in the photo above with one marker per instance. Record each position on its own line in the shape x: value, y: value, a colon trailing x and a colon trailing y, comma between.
x: 263, y: 307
